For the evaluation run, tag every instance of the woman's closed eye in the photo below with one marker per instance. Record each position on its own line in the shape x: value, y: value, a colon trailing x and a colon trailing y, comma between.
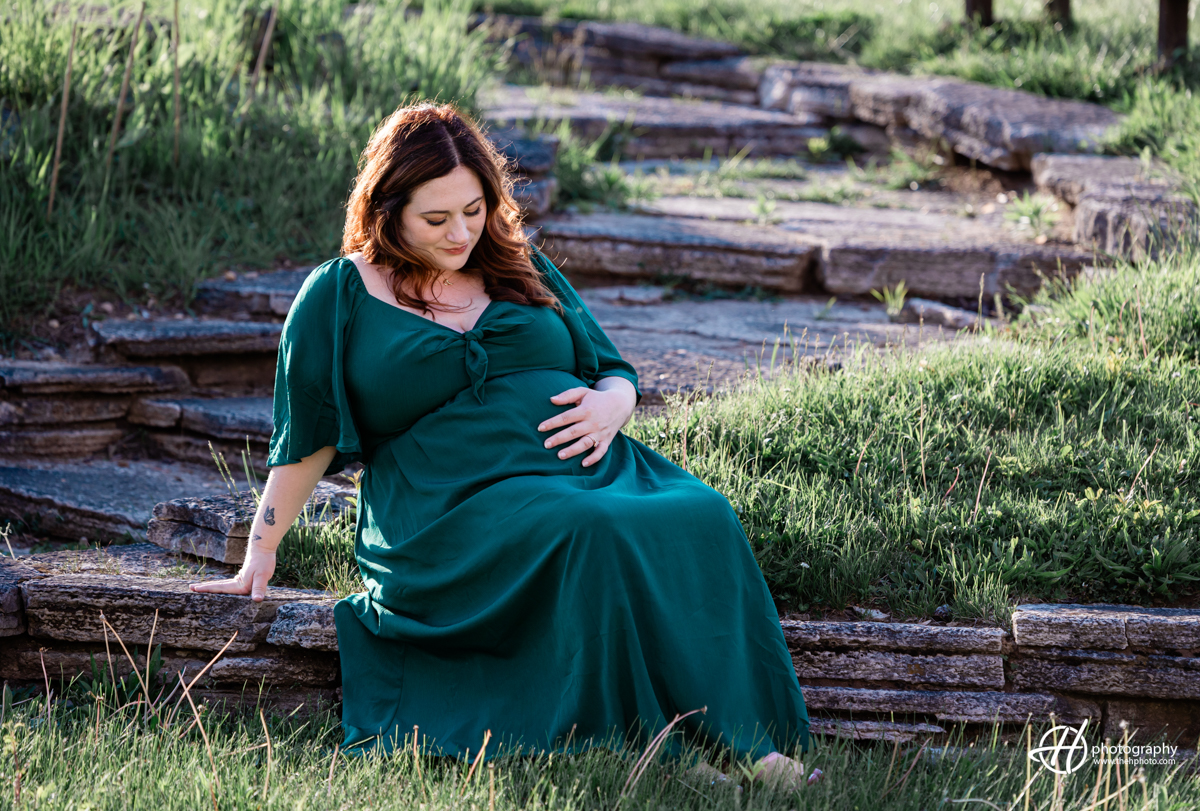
x: 468, y: 213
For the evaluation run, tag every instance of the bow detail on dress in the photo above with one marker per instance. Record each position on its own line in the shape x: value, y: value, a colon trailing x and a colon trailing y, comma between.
x: 476, y: 356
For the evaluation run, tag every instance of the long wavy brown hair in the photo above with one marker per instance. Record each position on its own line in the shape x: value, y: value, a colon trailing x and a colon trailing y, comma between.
x: 414, y: 145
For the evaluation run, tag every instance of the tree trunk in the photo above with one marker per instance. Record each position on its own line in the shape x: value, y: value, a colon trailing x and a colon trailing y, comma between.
x: 981, y: 10
x: 1172, y: 31
x: 1059, y: 11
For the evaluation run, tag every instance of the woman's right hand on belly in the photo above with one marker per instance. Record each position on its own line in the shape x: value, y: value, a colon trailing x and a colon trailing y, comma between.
x: 252, y: 579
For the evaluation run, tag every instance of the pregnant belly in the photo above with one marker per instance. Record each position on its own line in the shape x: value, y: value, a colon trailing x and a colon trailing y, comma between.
x: 464, y: 445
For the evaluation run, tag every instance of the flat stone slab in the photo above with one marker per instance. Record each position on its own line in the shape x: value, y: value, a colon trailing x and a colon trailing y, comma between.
x: 891, y: 636
x: 953, y: 706
x: 734, y: 72
x: 223, y: 417
x: 306, y: 625
x: 971, y: 670
x: 1103, y: 673
x: 1000, y: 127
x: 644, y: 246
x: 661, y: 127
x: 153, y: 339
x: 218, y: 527
x: 258, y: 293
x: 872, y: 730
x: 646, y: 41
x: 1106, y: 627
x: 936, y: 254
x: 67, y: 607
x: 47, y: 377
x: 97, y: 499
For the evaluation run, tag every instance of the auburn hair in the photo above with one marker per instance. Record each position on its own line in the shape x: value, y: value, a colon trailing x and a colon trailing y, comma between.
x: 414, y: 145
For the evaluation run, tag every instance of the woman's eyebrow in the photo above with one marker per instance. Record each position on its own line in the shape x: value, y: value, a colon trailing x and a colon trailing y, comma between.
x: 440, y: 211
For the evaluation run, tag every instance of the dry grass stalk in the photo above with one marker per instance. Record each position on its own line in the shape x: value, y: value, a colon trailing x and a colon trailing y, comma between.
x: 1129, y: 495
x: 149, y: 650
x: 332, y: 762
x: 270, y: 753
x: 206, y: 668
x: 175, y: 57
x: 262, y: 52
x: 863, y: 452
x: 982, y: 481
x: 487, y: 736
x: 212, y: 788
x: 132, y: 663
x: 491, y: 786
x: 1141, y: 328
x: 116, y: 127
x: 911, y: 766
x: 62, y: 122
x: 417, y: 763
x: 643, y: 762
x: 46, y: 676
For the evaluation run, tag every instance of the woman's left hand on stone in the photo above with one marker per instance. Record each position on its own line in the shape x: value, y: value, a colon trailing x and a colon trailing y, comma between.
x: 598, y: 416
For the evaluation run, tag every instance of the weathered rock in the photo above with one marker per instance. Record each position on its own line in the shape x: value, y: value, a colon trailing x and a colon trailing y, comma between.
x: 217, y: 527
x: 304, y: 625
x: 260, y: 294
x: 934, y: 313
x: 1107, y: 627
x: 1146, y: 721
x: 630, y: 294
x: 999, y: 127
x: 733, y: 73
x: 155, y: 413
x: 1104, y: 673
x: 1069, y: 177
x: 659, y: 127
x: 150, y: 339
x: 199, y: 450
x: 43, y: 410
x: 533, y: 157
x: 872, y: 730
x: 891, y: 636
x: 936, y: 254
x: 967, y: 707
x: 291, y: 703
x: 1134, y: 220
x: 59, y: 441
x: 135, y: 560
x: 640, y: 246
x: 650, y: 40
x: 535, y: 197
x: 68, y: 607
x: 815, y: 88
x: 97, y: 499
x: 229, y: 417
x: 973, y: 670
x: 12, y: 608
x: 44, y: 377
x: 653, y: 86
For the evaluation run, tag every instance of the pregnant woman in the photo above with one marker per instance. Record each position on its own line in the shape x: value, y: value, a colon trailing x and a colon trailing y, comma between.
x: 529, y: 569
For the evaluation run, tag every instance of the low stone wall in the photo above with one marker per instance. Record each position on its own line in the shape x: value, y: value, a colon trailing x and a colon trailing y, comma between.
x: 868, y: 680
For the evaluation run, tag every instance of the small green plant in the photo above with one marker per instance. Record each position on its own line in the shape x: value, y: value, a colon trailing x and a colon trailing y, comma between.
x: 763, y: 208
x: 1033, y: 212
x: 905, y: 171
x: 819, y: 149
x: 892, y: 298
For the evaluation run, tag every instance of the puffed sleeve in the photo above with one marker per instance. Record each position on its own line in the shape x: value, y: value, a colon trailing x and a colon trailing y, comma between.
x: 311, y: 410
x: 595, y: 353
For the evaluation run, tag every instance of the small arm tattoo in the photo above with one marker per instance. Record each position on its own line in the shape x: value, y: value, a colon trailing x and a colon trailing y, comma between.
x: 269, y: 516
x: 256, y: 537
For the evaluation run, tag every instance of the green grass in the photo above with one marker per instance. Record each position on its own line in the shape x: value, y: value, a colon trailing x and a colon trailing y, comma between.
x: 85, y: 753
x: 258, y: 178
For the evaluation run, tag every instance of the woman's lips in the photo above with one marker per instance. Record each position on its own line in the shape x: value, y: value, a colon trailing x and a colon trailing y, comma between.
x: 455, y: 251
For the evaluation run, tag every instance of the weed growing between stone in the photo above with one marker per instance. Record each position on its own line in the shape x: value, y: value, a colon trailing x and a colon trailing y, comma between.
x: 92, y: 748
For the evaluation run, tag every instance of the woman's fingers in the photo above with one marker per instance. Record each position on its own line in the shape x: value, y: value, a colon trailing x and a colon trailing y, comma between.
x: 258, y: 590
x: 577, y: 448
x: 571, y: 395
x: 597, y: 454
x: 565, y: 418
x: 233, y: 585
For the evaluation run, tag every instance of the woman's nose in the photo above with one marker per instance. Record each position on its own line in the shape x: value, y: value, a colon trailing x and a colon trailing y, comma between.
x: 459, y: 233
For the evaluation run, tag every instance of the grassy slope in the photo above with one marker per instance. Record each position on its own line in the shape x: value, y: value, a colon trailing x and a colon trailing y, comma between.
x: 81, y: 756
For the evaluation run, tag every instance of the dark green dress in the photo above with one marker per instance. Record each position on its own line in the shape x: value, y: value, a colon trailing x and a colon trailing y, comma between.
x: 507, y: 589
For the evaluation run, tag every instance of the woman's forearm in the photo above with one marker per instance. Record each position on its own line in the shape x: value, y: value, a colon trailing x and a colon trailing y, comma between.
x: 622, y: 385
x: 288, y: 488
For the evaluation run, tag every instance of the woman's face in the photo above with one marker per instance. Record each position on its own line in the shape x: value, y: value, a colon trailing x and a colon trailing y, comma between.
x: 445, y: 217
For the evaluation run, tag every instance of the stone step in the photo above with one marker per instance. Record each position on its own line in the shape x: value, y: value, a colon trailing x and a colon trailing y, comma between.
x: 260, y: 294
x: 659, y: 127
x: 98, y: 499
x: 936, y: 254
x: 190, y: 429
x: 872, y: 730
x: 951, y: 705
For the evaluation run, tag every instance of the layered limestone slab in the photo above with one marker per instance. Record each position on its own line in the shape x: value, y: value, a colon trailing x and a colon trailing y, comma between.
x: 872, y: 730
x: 816, y: 88
x: 891, y: 636
x: 659, y: 127
x: 263, y: 294
x: 1108, y: 673
x: 953, y: 706
x: 936, y: 254
x: 151, y: 339
x: 217, y: 527
x: 733, y: 72
x: 306, y: 625
x: 228, y: 417
x: 48, y: 410
x: 12, y: 608
x: 97, y: 499
x: 1000, y: 127
x: 643, y: 246
x: 45, y: 377
x: 972, y: 670
x: 1122, y: 205
x: 67, y: 607
x: 82, y: 441
x: 1106, y: 627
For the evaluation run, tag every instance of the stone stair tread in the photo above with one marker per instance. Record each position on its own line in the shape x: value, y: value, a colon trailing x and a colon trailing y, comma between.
x: 54, y: 377
x: 677, y: 231
x: 872, y: 730
x: 224, y: 417
x: 187, y: 336
x: 98, y: 498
